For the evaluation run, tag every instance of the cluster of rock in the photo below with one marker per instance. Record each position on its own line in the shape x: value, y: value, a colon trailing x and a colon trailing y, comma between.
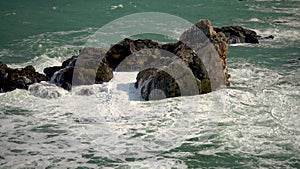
x: 10, y: 78
x: 196, y: 64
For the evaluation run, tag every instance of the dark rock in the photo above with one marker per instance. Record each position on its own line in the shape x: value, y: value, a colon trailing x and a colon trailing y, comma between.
x: 49, y: 71
x: 294, y: 61
x: 11, y: 79
x: 143, y: 75
x: 118, y: 52
x: 194, y: 65
x: 280, y: 21
x: 69, y: 62
x: 85, y: 69
x: 238, y: 34
x: 266, y: 37
x: 63, y: 78
x: 176, y: 72
x: 163, y: 83
x: 146, y: 58
x: 3, y: 68
x: 191, y: 59
x: 199, y: 67
x: 200, y: 37
x: 159, y: 85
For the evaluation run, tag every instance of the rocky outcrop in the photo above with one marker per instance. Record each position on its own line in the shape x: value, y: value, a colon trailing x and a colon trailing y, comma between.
x: 200, y: 37
x: 196, y: 62
x: 200, y: 66
x: 85, y: 69
x: 11, y: 79
x: 238, y: 34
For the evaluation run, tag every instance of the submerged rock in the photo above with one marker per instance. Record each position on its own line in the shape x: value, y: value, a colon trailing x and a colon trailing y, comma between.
x: 11, y: 79
x: 294, y: 61
x: 266, y: 37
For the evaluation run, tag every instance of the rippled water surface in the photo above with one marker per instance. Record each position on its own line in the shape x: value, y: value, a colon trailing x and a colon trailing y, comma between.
x: 255, y: 123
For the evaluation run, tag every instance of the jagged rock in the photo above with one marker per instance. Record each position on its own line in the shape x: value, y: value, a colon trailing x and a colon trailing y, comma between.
x: 238, y: 34
x: 118, y: 52
x: 146, y: 58
x: 191, y: 59
x: 85, y: 69
x: 94, y: 55
x: 201, y: 67
x: 49, y: 71
x: 163, y: 83
x: 159, y: 85
x: 176, y: 71
x: 194, y: 65
x: 200, y: 39
x: 11, y: 79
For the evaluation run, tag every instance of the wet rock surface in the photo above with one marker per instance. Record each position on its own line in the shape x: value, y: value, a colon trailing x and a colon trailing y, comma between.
x: 196, y: 64
x: 199, y: 68
x: 155, y: 84
x: 238, y: 34
x: 119, y: 52
x: 11, y: 79
x: 85, y: 69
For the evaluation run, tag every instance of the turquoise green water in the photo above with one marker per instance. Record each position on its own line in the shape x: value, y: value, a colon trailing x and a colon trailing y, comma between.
x: 252, y: 124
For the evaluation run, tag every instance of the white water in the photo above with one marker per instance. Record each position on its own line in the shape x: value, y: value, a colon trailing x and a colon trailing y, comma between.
x: 47, y: 125
x: 109, y: 118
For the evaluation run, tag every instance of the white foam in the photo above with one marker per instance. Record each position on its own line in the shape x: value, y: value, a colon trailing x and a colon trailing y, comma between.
x: 255, y: 20
x: 243, y: 44
x: 112, y: 110
x: 261, y: 105
x: 40, y: 62
x: 113, y: 7
x: 46, y: 90
x: 257, y: 115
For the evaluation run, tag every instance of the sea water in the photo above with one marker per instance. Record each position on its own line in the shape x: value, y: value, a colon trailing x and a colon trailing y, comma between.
x: 254, y: 123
